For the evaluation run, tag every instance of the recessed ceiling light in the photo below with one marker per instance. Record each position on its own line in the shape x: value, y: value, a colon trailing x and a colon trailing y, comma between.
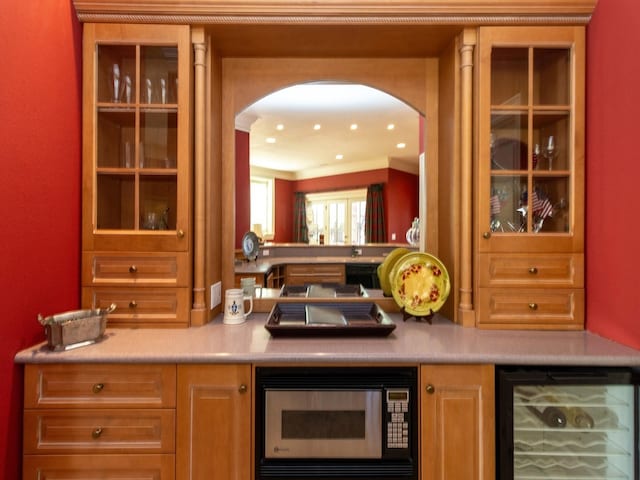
x: 354, y: 126
x: 280, y: 127
x: 401, y: 145
x: 270, y: 140
x: 391, y: 126
x: 317, y: 126
x: 339, y: 156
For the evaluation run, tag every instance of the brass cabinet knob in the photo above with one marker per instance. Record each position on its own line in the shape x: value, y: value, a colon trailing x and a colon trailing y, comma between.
x: 430, y: 389
x: 96, y: 433
x: 133, y: 269
x: 533, y: 270
x: 243, y: 388
x: 133, y: 304
x: 533, y: 306
x: 180, y: 233
x: 98, y: 387
x: 486, y: 235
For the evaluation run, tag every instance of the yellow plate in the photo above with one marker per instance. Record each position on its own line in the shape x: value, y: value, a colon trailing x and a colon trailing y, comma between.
x: 387, y: 265
x: 419, y: 283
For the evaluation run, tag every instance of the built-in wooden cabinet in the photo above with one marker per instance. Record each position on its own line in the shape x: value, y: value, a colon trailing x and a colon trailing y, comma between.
x: 529, y: 203
x: 214, y: 422
x: 303, y: 274
x: 137, y: 173
x: 99, y: 421
x: 457, y: 422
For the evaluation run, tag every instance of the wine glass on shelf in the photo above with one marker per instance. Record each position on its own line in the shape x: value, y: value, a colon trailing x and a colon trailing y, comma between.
x: 550, y: 152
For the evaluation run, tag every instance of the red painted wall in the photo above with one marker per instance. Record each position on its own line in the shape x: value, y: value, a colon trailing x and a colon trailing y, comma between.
x: 40, y: 145
x: 284, y: 201
x: 613, y: 171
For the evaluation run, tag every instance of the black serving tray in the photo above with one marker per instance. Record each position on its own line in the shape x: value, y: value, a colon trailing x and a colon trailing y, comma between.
x: 308, y: 319
x: 323, y: 290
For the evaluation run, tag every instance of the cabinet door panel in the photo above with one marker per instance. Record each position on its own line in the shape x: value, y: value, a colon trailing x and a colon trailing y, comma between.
x: 457, y: 426
x: 214, y: 422
x: 100, y: 386
x: 99, y: 467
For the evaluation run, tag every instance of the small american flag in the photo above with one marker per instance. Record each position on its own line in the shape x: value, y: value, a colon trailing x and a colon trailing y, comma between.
x: 496, y: 206
x: 541, y: 206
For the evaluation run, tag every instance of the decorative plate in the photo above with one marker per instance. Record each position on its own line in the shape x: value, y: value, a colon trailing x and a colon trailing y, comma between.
x: 419, y: 283
x: 386, y: 267
x: 250, y: 246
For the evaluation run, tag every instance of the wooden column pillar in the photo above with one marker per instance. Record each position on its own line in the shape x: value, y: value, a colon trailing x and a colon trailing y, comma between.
x: 466, y: 315
x: 199, y: 309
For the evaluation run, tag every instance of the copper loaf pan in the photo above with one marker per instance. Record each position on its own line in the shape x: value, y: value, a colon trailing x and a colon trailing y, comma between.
x: 74, y: 329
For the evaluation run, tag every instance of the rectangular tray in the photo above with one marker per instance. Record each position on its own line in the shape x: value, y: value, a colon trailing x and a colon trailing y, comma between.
x: 308, y: 319
x: 323, y: 290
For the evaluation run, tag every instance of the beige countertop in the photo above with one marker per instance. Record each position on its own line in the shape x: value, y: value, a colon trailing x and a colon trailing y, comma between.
x: 410, y: 342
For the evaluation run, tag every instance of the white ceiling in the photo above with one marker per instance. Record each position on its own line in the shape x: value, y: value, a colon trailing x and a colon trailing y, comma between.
x: 300, y: 151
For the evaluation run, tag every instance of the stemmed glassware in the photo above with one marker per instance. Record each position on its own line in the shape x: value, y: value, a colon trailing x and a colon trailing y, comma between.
x: 550, y: 152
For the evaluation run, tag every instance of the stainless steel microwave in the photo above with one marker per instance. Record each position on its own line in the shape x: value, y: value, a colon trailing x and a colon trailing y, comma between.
x: 328, y: 423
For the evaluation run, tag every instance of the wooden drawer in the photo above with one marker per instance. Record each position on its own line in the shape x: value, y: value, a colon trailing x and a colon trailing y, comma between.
x: 315, y: 273
x: 518, y: 270
x: 99, y: 430
x: 141, y: 307
x: 99, y: 467
x: 520, y: 308
x: 99, y: 386
x: 157, y: 269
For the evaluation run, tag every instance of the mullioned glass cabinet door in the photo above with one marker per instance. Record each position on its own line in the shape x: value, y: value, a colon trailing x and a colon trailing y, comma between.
x: 530, y: 146
x: 140, y: 132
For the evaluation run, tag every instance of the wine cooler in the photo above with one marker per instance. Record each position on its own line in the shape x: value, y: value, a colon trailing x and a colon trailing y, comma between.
x: 567, y: 423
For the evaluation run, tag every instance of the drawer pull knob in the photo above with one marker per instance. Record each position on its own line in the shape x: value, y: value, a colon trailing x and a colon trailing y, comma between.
x: 430, y: 389
x: 486, y: 235
x: 180, y: 233
x: 533, y: 270
x: 133, y: 304
x: 97, y: 432
x: 98, y: 387
x: 133, y: 269
x: 242, y: 388
x: 533, y: 306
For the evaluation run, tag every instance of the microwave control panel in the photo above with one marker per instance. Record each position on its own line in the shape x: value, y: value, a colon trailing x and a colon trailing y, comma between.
x: 397, y: 419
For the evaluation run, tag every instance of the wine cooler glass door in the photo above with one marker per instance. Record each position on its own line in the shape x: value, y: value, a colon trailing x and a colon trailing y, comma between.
x: 580, y: 426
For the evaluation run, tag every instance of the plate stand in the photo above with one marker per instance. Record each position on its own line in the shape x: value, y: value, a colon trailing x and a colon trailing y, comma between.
x: 419, y: 318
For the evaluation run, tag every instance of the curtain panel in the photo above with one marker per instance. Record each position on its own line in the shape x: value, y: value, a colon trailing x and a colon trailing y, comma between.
x: 375, y: 231
x: 300, y: 229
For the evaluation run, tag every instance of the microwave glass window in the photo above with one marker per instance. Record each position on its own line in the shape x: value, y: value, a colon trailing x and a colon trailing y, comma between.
x: 323, y: 424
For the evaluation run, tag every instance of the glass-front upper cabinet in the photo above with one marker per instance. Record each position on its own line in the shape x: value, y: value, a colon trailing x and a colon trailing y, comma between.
x: 531, y: 123
x: 136, y: 103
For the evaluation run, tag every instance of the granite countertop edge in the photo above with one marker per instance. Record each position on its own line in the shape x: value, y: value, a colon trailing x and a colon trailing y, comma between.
x: 411, y: 342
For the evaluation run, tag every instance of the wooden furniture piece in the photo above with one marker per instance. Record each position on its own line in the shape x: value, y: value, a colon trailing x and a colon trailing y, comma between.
x: 214, y: 422
x: 137, y: 173
x: 457, y: 422
x: 303, y: 274
x: 529, y: 206
x: 191, y: 421
x: 99, y: 421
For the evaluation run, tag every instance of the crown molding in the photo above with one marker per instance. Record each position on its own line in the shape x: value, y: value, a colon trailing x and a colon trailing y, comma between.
x: 338, y: 12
